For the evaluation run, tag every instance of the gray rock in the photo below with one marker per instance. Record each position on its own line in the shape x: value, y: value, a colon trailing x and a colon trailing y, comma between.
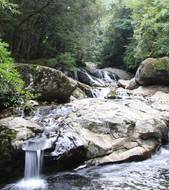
x: 106, y: 131
x: 128, y: 84
x: 14, y: 131
x: 122, y: 74
x: 48, y: 83
x: 153, y: 71
x: 22, y: 128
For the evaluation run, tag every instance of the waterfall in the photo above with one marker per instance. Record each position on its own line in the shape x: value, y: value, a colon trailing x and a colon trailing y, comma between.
x: 33, y: 163
x: 34, y: 150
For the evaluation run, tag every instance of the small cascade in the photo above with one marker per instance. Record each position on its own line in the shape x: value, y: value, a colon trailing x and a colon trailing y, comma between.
x: 33, y: 164
x: 100, y: 93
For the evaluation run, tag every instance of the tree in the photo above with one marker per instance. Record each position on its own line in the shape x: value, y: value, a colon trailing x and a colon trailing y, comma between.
x: 45, y: 29
x: 11, y: 85
x: 151, y: 29
x: 117, y: 34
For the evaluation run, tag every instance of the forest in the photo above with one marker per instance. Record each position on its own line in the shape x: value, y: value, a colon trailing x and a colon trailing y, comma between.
x: 84, y: 94
x: 61, y: 32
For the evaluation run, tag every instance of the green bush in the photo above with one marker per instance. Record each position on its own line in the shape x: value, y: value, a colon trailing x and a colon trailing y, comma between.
x: 11, y: 85
x: 129, y: 59
x: 66, y: 59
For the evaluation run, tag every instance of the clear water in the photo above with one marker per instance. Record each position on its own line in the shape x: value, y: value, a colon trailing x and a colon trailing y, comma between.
x: 152, y: 174
x: 32, y: 180
x: 31, y: 164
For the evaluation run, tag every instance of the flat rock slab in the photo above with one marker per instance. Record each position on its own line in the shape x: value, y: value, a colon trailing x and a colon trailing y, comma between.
x: 106, y: 131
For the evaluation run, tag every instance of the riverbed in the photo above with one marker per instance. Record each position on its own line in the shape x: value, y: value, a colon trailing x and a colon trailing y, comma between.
x: 151, y: 174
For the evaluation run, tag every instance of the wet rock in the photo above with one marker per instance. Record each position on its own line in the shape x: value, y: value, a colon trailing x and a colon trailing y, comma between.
x: 128, y: 84
x: 153, y: 71
x: 79, y: 94
x: 106, y: 131
x: 48, y: 83
x: 29, y: 107
x: 122, y: 74
x: 24, y: 129
x: 85, y: 77
x: 107, y: 76
x: 13, y: 132
x: 86, y: 89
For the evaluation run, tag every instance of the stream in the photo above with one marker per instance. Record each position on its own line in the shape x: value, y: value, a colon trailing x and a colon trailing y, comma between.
x: 152, y: 174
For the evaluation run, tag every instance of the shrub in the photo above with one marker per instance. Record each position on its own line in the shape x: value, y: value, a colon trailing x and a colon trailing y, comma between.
x: 11, y: 85
x: 63, y: 59
x: 66, y: 59
x: 129, y: 59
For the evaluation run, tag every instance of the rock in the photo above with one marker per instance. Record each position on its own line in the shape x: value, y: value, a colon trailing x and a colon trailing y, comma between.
x: 8, y: 112
x: 85, y: 77
x: 29, y: 107
x: 122, y: 74
x: 91, y: 65
x: 49, y: 84
x: 112, y: 95
x: 128, y: 84
x: 150, y: 91
x: 106, y: 76
x: 13, y: 132
x: 153, y: 71
x: 79, y: 94
x: 24, y: 129
x: 106, y: 131
x: 86, y: 89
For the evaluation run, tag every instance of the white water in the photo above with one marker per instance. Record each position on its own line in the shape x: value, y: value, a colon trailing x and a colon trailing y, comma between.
x: 33, y: 165
x: 30, y: 184
x: 101, y: 93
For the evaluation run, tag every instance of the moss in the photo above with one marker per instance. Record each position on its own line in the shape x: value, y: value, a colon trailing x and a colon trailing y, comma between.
x: 112, y: 94
x: 6, y: 138
x: 161, y: 65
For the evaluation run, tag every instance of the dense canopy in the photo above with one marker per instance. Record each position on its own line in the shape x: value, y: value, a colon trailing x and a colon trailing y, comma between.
x: 115, y: 33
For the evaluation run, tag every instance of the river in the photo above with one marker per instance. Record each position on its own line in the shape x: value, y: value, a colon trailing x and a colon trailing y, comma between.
x: 151, y: 174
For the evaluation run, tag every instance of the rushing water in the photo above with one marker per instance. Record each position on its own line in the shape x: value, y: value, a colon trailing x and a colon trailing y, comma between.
x: 152, y: 174
x: 33, y: 164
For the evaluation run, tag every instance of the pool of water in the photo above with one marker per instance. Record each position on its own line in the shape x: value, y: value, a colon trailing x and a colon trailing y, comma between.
x: 152, y: 174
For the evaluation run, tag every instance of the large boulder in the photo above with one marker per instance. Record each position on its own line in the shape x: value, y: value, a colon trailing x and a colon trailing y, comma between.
x: 14, y: 131
x: 153, y: 71
x: 48, y: 83
x: 104, y: 131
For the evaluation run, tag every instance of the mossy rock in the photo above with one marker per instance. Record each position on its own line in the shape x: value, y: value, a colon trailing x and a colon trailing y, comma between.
x: 112, y: 95
x: 7, y: 136
x: 14, y: 131
x: 153, y: 71
x: 161, y: 64
x: 79, y: 94
x: 48, y: 83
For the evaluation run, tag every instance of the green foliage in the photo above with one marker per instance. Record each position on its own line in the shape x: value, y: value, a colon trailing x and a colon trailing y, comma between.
x: 11, y: 85
x: 47, y: 28
x: 6, y: 136
x: 129, y: 59
x: 117, y: 35
x: 161, y: 65
x: 138, y: 30
x: 151, y: 27
x: 6, y: 4
x: 66, y: 59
